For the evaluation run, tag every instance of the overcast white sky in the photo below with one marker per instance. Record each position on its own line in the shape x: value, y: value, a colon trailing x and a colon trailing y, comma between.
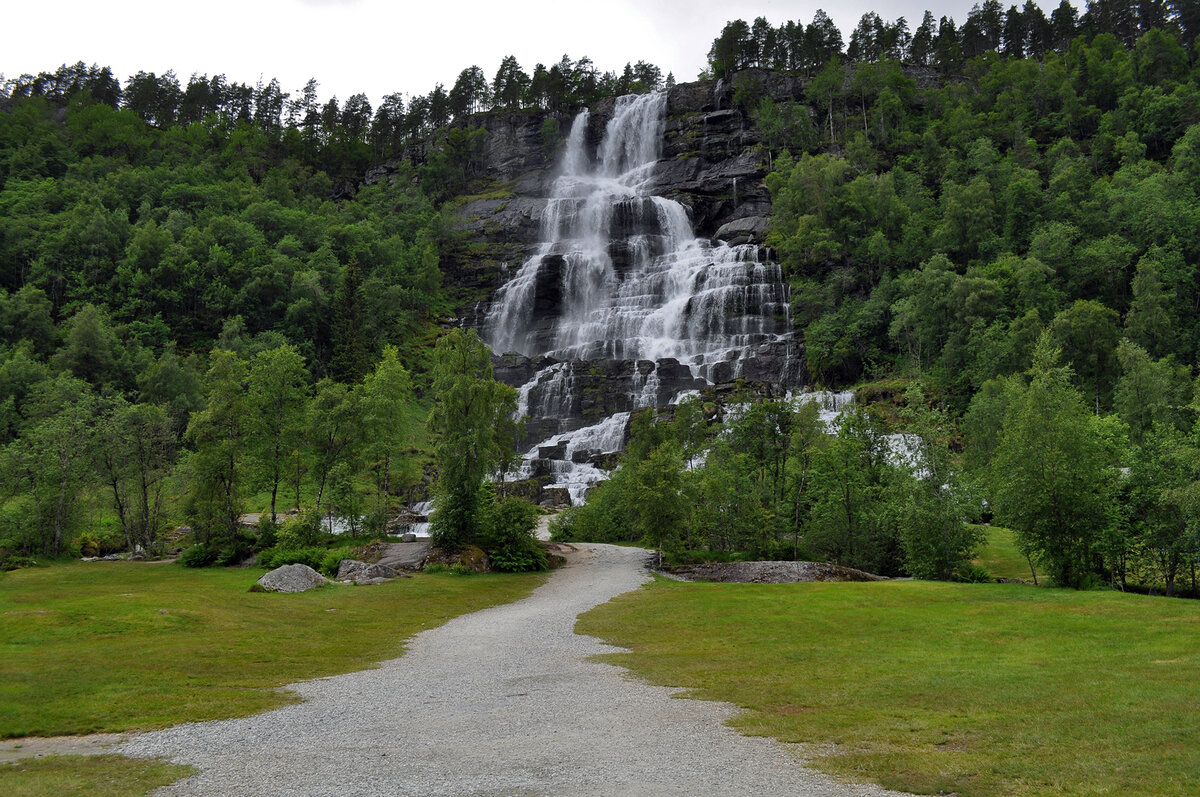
x: 379, y: 46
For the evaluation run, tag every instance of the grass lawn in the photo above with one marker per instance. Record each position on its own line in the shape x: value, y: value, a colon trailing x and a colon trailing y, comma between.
x: 1001, y: 557
x: 115, y: 646
x: 109, y: 775
x: 980, y: 689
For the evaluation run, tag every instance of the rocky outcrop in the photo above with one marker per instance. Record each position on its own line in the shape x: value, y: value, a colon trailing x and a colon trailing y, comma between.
x: 769, y: 572
x: 581, y: 393
x: 366, y: 572
x: 291, y: 578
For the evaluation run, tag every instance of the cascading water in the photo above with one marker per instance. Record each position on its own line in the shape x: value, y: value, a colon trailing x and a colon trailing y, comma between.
x: 622, y: 288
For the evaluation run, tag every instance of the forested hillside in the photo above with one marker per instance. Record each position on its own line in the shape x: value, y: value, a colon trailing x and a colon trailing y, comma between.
x: 989, y: 230
x: 203, y: 304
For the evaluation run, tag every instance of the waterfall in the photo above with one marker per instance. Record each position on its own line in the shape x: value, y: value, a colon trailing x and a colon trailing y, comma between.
x: 620, y: 276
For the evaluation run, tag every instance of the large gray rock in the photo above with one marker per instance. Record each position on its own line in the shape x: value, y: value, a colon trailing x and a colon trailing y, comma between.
x: 747, y: 230
x: 292, y: 578
x: 364, y: 572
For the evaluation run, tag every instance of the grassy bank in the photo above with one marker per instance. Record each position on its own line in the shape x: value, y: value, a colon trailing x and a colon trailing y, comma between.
x: 980, y: 689
x: 1001, y: 557
x: 115, y: 646
x: 109, y: 775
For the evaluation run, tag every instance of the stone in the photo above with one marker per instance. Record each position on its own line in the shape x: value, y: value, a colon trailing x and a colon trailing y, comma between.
x: 408, y: 536
x: 291, y: 578
x: 358, y: 572
x: 749, y: 229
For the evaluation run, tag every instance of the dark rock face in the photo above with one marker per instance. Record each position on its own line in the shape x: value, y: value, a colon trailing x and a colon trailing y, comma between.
x: 712, y: 164
x: 581, y: 393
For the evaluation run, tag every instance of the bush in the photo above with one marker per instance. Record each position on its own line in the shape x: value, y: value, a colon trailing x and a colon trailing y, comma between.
x: 333, y: 559
x: 507, y: 534
x: 267, y: 531
x: 198, y: 555
x: 280, y: 556
x: 87, y: 544
x: 235, y: 551
x: 973, y: 574
x: 564, y: 527
x: 16, y: 562
x: 303, y: 531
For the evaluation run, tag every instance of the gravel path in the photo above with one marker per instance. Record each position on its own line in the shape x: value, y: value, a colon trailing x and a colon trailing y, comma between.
x: 499, y: 702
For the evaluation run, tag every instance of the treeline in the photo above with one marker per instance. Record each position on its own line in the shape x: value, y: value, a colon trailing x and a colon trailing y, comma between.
x: 199, y: 446
x: 1094, y: 501
x: 154, y: 273
x: 343, y: 138
x: 772, y: 480
x: 1025, y: 32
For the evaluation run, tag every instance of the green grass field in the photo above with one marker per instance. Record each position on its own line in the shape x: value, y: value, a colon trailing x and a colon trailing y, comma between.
x: 979, y: 689
x: 115, y: 646
x: 109, y: 775
x: 1001, y: 557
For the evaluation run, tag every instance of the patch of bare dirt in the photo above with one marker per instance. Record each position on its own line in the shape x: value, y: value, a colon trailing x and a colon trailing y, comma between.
x: 42, y: 746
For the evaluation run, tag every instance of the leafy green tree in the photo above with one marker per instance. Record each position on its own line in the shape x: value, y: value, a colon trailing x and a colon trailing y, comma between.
x: 89, y: 352
x: 386, y: 401
x: 935, y: 506
x: 472, y: 418
x: 49, y: 466
x: 217, y: 466
x: 1148, y: 392
x: 334, y: 434
x: 1087, y: 335
x: 350, y: 356
x: 135, y: 454
x: 851, y: 522
x: 1164, y: 493
x: 1052, y: 478
x: 278, y: 387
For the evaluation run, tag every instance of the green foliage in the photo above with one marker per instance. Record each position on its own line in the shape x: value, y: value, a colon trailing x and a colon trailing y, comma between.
x: 300, y: 532
x: 1053, y: 478
x: 507, y: 533
x: 333, y: 559
x: 198, y: 555
x: 972, y: 574
x: 283, y: 554
x: 473, y: 418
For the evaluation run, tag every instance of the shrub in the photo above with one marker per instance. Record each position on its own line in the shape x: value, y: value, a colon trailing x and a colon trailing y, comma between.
x: 973, y: 574
x: 235, y: 551
x: 507, y: 534
x: 333, y: 559
x: 303, y: 531
x: 87, y: 544
x: 267, y: 531
x: 564, y: 527
x: 198, y: 555
x: 280, y: 556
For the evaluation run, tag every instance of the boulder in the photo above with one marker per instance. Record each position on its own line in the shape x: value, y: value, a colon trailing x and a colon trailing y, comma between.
x: 291, y: 578
x: 364, y: 572
x: 750, y: 229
